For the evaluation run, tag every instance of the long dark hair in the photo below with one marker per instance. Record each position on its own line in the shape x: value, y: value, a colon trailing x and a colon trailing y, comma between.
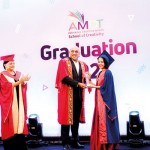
x: 105, y: 62
x: 5, y: 62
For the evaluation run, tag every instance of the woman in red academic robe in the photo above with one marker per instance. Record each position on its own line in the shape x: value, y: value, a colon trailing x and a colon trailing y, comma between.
x: 13, y: 105
x: 105, y: 133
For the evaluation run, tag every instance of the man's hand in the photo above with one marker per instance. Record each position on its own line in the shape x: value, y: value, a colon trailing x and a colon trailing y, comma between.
x: 82, y: 85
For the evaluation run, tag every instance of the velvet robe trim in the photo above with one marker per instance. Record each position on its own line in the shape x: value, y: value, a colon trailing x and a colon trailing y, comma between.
x: 108, y: 93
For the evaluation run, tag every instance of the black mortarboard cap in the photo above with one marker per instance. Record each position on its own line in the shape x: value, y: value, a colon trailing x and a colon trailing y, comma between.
x: 107, y: 57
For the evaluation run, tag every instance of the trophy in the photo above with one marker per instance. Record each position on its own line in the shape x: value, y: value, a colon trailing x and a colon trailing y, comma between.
x: 87, y: 78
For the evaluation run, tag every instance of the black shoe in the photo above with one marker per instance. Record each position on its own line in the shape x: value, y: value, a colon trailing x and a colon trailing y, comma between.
x: 66, y: 147
x: 77, y: 145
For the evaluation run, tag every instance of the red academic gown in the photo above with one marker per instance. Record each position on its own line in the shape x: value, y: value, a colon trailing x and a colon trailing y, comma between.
x: 8, y: 108
x: 65, y: 93
x: 105, y: 134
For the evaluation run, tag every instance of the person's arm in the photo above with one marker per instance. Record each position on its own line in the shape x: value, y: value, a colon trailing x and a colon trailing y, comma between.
x: 17, y: 83
x: 92, y: 85
x: 69, y: 81
x: 23, y: 79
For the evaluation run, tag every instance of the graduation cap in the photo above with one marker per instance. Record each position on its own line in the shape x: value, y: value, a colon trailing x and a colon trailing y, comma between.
x: 7, y: 57
x: 107, y: 57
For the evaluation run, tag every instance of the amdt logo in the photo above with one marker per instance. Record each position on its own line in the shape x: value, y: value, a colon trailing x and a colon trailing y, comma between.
x: 79, y: 28
x: 80, y: 24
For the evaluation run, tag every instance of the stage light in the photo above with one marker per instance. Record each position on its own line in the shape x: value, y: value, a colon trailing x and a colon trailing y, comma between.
x: 35, y: 130
x: 135, y: 129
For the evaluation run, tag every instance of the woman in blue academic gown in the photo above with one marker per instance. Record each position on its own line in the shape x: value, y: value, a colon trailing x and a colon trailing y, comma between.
x: 105, y: 133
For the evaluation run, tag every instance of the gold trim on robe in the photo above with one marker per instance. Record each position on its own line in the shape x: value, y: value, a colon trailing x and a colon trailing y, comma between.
x: 70, y: 94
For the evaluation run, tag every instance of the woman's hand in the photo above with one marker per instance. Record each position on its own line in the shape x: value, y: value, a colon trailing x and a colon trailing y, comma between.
x: 25, y: 78
x: 92, y: 85
x: 22, y: 80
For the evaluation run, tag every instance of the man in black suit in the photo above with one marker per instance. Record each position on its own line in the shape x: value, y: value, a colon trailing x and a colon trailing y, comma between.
x: 70, y: 84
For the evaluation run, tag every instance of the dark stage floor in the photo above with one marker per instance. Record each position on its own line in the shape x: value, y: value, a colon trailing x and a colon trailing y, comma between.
x: 87, y: 146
